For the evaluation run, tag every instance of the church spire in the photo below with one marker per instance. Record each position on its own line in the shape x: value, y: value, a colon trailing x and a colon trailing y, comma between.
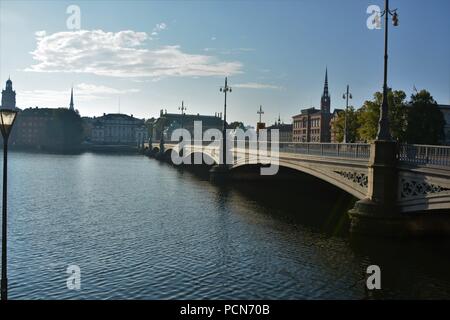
x: 325, y: 101
x: 71, y: 100
x: 325, y: 87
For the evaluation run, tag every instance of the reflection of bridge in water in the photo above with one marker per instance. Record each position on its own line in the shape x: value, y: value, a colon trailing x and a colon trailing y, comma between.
x: 400, y: 188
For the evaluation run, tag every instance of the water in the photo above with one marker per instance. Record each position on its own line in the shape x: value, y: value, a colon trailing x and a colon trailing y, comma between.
x: 141, y: 229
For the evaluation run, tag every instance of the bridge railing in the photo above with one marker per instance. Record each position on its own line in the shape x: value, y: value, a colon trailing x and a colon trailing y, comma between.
x: 424, y: 154
x: 340, y: 150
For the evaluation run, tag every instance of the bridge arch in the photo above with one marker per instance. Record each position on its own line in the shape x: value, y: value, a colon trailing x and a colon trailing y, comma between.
x: 213, y: 158
x: 325, y: 175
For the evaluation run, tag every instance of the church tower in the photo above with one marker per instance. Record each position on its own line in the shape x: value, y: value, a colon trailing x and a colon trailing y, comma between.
x: 71, y: 100
x: 325, y: 101
x: 8, y: 96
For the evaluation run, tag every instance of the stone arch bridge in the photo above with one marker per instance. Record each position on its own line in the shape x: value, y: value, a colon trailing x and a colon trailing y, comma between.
x: 401, y: 188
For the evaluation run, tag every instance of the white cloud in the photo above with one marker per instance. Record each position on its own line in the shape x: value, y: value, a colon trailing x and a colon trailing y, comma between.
x: 255, y: 85
x: 60, y: 98
x: 40, y: 34
x: 228, y: 51
x: 121, y: 54
x: 92, y: 89
x: 158, y: 28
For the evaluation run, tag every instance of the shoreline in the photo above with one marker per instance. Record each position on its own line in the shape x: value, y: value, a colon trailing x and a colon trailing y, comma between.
x: 111, y: 149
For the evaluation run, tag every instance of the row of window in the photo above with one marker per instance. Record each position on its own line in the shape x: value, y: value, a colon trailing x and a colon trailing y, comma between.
x: 304, y: 123
x: 303, y: 138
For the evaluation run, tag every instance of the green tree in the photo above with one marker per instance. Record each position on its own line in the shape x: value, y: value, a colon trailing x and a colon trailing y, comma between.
x: 352, y: 125
x: 369, y: 115
x: 425, y: 121
x: 64, y: 131
x: 236, y: 125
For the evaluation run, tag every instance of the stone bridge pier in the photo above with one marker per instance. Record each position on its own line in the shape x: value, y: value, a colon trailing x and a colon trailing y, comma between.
x: 382, y: 213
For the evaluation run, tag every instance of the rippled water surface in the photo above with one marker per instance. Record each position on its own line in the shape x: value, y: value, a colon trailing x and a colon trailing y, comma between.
x: 140, y: 229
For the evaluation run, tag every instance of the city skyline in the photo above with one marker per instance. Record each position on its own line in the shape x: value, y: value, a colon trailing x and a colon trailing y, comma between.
x: 279, y: 63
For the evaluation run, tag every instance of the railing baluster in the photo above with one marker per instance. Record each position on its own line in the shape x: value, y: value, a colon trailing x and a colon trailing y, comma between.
x: 424, y: 154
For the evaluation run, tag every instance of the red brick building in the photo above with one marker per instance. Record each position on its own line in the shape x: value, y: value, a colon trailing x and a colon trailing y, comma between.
x: 313, y: 125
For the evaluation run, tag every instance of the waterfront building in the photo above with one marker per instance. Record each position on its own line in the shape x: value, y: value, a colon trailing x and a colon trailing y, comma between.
x: 118, y: 129
x: 47, y: 129
x: 168, y: 122
x: 313, y: 125
x: 284, y: 131
x: 30, y: 129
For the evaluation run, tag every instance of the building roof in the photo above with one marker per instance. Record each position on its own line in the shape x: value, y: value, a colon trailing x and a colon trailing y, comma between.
x: 281, y: 127
x: 307, y: 111
x: 186, y: 118
x: 116, y: 116
x: 336, y: 111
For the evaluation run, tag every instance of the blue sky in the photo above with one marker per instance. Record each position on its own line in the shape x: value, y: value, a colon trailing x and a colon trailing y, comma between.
x: 153, y: 54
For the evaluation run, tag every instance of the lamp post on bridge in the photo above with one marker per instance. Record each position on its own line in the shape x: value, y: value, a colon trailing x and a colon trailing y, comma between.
x: 161, y: 138
x: 182, y: 108
x: 346, y: 96
x: 7, y: 118
x: 378, y: 212
x: 384, y: 132
x: 225, y: 89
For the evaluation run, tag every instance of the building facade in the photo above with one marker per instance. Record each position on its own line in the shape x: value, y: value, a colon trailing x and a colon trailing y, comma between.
x: 31, y: 126
x: 118, y: 129
x: 313, y: 125
x: 57, y: 129
x: 284, y: 131
x: 168, y: 122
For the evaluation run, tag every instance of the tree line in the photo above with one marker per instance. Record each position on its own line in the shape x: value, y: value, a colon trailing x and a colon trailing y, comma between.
x: 417, y: 120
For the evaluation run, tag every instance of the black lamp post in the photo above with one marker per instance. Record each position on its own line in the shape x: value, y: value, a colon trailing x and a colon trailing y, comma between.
x: 182, y: 108
x: 7, y: 118
x: 161, y: 138
x: 224, y: 89
x: 383, y: 124
x: 346, y: 96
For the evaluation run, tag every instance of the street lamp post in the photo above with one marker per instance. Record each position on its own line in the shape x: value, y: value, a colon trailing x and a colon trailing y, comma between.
x: 346, y: 96
x: 383, y: 124
x: 224, y: 89
x: 161, y: 138
x: 182, y: 108
x: 7, y: 118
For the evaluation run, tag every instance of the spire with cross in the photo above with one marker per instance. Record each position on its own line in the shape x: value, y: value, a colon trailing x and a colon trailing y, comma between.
x: 260, y: 112
x: 325, y: 101
x: 182, y: 108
